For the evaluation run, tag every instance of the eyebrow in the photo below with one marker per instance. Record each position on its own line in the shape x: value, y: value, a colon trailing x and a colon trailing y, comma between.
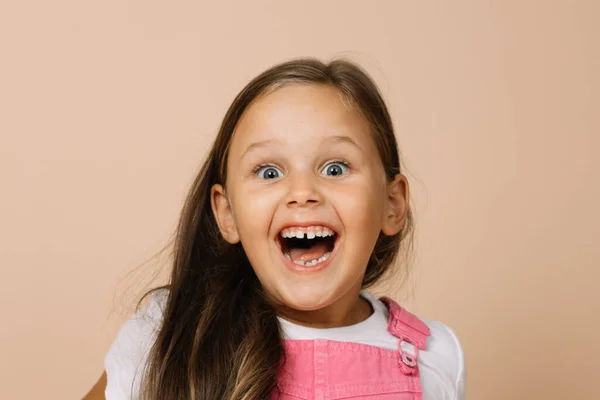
x: 342, y: 139
x: 270, y: 142
x: 257, y: 145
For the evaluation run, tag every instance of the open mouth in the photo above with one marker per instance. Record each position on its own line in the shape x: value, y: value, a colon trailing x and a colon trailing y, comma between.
x: 307, y: 246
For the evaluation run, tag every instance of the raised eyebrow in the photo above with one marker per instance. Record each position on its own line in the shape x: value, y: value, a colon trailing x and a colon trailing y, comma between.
x: 259, y: 144
x: 270, y: 142
x: 342, y: 139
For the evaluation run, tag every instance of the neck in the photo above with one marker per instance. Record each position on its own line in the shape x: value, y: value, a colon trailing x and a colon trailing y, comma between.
x: 350, y: 309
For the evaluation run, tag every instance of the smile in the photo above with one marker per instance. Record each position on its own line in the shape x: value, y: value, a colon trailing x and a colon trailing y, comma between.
x: 307, y: 247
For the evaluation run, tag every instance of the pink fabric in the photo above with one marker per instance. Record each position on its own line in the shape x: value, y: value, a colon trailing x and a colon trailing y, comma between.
x: 327, y: 369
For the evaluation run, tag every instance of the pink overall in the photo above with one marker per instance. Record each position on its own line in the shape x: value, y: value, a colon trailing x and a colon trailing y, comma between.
x: 326, y: 369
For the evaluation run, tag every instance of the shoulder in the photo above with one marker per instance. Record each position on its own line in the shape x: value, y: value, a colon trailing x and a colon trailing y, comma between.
x: 443, y: 361
x: 125, y: 361
x: 143, y: 323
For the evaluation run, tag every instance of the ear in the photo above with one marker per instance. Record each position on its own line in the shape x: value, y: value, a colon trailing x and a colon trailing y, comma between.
x: 396, y: 205
x: 223, y: 213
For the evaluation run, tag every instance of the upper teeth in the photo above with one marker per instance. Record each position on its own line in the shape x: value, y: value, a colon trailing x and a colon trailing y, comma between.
x: 309, y: 232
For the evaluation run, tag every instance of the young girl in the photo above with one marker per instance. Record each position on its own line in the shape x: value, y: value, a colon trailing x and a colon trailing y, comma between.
x: 299, y: 207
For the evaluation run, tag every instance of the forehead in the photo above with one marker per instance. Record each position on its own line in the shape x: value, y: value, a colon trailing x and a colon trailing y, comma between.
x: 300, y: 113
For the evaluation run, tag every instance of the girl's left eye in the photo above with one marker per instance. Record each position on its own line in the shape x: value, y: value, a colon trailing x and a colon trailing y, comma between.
x: 335, y: 169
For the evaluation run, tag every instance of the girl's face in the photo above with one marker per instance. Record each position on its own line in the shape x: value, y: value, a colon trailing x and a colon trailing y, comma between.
x: 303, y: 163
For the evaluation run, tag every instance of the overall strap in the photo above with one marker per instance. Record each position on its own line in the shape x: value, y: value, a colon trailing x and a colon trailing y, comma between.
x: 408, y: 328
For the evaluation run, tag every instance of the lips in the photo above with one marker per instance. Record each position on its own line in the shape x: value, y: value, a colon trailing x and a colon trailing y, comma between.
x: 307, y: 246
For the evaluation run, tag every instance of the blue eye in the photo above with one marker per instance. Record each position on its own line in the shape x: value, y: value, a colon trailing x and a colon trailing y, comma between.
x: 335, y: 169
x: 268, y: 172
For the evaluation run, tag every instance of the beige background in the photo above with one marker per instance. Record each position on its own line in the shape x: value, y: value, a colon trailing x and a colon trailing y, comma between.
x: 107, y: 108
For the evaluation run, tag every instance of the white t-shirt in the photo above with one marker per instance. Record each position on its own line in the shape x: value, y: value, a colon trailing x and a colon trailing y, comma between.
x: 441, y: 365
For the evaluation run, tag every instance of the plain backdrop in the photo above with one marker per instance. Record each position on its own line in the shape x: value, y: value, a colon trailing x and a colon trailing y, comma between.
x: 107, y: 109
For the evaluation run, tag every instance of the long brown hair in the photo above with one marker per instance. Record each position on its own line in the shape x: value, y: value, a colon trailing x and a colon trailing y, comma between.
x: 220, y: 337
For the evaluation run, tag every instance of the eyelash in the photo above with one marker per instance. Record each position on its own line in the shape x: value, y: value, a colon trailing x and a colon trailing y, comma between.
x: 343, y: 162
x: 261, y: 166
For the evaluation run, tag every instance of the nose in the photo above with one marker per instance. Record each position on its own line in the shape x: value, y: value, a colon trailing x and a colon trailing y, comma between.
x: 303, y: 191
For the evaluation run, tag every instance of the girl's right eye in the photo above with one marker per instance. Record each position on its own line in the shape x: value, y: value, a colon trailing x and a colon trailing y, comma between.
x: 268, y: 172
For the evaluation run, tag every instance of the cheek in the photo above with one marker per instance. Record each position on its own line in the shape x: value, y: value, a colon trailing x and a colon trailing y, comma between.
x: 361, y: 208
x: 253, y: 213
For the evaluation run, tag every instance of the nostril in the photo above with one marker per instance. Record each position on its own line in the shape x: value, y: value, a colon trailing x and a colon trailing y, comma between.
x: 301, y: 202
x: 303, y: 194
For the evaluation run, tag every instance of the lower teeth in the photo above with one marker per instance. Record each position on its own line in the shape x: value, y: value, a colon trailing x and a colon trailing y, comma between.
x: 310, y: 263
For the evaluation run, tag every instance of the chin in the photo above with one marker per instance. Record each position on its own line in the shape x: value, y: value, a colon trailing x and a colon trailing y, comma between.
x: 307, y: 299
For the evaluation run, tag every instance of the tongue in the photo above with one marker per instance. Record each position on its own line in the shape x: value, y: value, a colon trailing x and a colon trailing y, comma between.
x: 315, y: 252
